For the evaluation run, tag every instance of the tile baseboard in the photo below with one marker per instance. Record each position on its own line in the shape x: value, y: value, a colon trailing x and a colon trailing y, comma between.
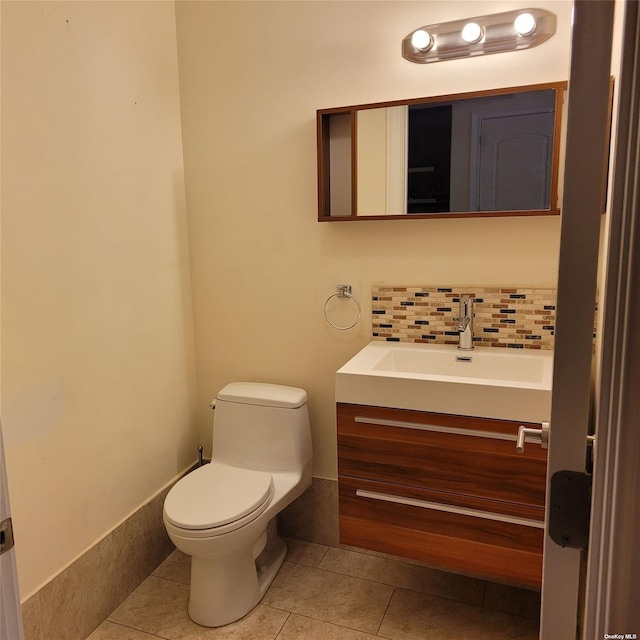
x: 314, y: 515
x: 80, y: 597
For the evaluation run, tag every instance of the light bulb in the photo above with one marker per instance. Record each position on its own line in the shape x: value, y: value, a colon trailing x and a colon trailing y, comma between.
x: 525, y: 24
x: 421, y: 40
x: 472, y: 32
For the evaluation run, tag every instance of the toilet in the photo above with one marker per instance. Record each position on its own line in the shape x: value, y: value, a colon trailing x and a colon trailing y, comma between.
x: 223, y: 514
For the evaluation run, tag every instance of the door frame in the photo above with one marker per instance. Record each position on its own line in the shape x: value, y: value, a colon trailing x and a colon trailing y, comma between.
x: 587, y: 146
x: 613, y: 580
x: 10, y: 610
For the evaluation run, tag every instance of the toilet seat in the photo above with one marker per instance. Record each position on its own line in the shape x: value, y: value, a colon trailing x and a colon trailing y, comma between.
x: 217, y: 498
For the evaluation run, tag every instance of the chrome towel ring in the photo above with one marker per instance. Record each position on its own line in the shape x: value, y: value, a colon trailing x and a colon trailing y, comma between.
x: 343, y: 291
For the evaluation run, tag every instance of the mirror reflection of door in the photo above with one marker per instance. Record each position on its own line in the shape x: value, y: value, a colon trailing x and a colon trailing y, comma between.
x: 514, y: 162
x: 483, y: 154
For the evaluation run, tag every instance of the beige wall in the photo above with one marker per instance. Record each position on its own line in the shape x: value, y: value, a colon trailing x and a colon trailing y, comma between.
x: 251, y: 78
x: 97, y: 344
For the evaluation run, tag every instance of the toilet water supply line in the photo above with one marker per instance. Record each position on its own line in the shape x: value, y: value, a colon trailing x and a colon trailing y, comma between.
x: 343, y: 291
x: 201, y: 460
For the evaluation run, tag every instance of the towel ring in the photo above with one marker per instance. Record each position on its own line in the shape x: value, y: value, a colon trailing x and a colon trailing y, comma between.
x: 344, y: 291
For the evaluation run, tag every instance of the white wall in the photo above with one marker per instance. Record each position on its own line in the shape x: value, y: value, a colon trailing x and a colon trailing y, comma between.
x: 97, y: 342
x: 252, y: 75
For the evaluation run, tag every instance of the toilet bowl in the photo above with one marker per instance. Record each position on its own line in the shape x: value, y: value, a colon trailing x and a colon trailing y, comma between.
x: 223, y: 514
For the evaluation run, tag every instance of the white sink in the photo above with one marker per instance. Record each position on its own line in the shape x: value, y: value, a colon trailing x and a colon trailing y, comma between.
x: 488, y: 382
x: 488, y: 365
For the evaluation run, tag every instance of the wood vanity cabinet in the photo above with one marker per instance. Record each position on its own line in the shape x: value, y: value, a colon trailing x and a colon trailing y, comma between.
x: 448, y: 490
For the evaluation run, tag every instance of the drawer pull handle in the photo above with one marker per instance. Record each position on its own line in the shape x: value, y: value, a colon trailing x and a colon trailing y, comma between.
x: 460, y: 431
x: 436, y: 506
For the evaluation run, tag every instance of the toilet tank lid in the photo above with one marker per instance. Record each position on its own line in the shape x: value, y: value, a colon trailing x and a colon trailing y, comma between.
x: 264, y: 394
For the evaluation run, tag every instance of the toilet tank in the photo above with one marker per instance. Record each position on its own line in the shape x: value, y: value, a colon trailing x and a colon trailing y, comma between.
x: 262, y: 426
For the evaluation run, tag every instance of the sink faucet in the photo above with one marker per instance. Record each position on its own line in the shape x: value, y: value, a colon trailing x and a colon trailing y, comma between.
x: 465, y: 323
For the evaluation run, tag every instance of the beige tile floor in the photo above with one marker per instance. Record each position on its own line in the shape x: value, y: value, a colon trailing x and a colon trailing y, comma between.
x: 326, y: 593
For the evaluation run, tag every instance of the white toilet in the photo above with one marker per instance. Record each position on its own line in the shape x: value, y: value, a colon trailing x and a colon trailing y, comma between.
x: 223, y: 513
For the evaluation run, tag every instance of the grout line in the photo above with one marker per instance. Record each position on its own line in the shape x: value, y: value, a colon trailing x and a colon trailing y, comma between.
x: 275, y: 608
x: 327, y: 622
x: 126, y: 626
x: 284, y: 624
x: 344, y: 575
x: 386, y: 610
x: 324, y: 555
x: 153, y: 575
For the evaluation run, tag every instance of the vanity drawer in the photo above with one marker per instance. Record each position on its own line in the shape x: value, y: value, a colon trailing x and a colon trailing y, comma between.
x: 450, y: 532
x: 454, y: 454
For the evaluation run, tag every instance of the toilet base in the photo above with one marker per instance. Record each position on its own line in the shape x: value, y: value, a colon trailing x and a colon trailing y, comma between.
x: 225, y: 589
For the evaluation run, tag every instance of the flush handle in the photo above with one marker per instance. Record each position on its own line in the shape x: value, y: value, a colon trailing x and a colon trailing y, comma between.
x: 529, y: 434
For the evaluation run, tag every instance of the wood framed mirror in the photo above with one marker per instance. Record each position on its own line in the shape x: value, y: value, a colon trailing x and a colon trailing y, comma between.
x: 486, y: 153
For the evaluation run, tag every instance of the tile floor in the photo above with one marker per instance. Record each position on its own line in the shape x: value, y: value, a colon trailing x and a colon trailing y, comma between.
x: 327, y: 593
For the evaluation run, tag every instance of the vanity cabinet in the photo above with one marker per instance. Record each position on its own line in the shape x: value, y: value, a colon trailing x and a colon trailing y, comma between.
x: 447, y: 490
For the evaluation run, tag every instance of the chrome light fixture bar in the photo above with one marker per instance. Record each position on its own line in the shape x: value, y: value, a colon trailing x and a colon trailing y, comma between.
x: 509, y: 31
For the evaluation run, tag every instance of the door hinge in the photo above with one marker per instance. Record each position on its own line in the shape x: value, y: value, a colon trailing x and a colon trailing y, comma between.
x: 570, y: 509
x: 6, y: 535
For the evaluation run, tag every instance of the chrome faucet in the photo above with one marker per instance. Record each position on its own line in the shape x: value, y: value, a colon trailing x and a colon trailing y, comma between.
x: 465, y: 323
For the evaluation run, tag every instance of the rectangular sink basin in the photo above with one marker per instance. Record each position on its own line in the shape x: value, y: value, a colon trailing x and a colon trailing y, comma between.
x: 473, y: 364
x: 486, y: 382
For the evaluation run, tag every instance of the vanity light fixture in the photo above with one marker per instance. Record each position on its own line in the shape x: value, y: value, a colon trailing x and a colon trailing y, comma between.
x: 421, y: 40
x: 525, y: 24
x: 472, y: 32
x: 500, y: 32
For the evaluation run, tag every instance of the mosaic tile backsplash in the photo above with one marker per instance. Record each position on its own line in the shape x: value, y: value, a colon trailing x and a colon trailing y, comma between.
x: 506, y: 317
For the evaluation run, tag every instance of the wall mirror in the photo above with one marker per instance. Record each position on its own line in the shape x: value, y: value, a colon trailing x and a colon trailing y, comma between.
x: 487, y: 153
